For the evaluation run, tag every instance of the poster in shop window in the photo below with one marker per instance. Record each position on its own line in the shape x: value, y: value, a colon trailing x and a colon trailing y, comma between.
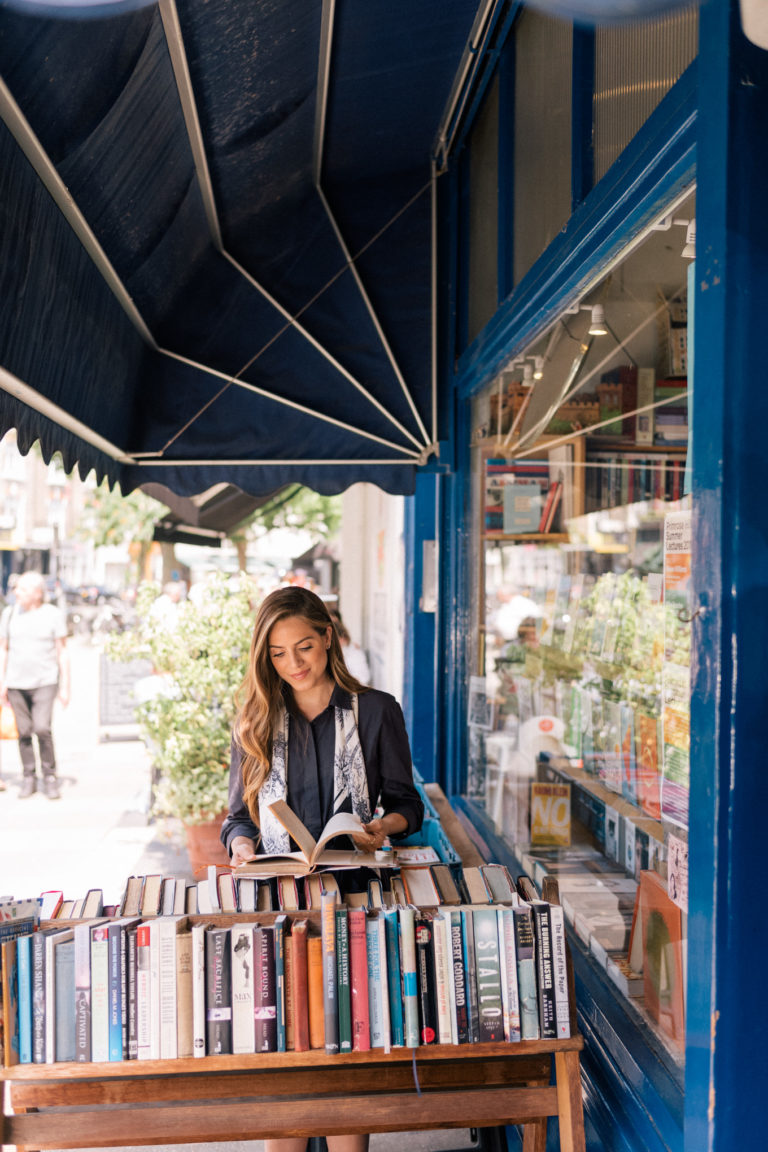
x: 676, y: 676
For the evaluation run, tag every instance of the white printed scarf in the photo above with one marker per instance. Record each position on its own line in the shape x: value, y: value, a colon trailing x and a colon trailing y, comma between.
x: 349, y: 777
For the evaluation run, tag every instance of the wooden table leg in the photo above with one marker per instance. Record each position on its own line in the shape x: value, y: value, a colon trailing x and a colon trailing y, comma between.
x: 570, y: 1108
x: 535, y: 1136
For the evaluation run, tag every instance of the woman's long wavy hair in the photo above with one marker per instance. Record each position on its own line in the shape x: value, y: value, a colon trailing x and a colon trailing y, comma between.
x: 263, y: 694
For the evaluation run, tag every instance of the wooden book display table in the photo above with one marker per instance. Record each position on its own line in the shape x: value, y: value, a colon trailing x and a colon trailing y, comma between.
x: 218, y: 1098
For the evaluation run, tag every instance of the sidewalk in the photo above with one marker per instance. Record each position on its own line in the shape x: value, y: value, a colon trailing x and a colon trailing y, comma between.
x: 100, y: 831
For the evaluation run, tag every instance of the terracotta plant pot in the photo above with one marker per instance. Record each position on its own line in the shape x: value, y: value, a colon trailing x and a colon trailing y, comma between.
x: 204, y: 846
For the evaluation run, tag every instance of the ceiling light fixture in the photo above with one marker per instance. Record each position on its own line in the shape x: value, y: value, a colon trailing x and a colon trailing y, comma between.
x: 528, y: 376
x: 598, y: 325
x: 538, y: 367
x: 689, y: 251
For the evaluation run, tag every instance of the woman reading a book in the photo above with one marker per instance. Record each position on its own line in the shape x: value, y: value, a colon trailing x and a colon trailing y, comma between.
x: 309, y: 733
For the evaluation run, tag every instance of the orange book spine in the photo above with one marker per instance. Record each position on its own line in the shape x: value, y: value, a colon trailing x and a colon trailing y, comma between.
x: 315, y: 992
x: 290, y: 1011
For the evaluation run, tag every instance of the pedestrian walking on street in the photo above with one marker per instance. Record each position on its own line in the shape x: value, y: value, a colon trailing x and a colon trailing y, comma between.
x: 34, y: 670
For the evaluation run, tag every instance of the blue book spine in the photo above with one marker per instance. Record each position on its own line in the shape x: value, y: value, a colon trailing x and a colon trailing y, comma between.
x: 394, y: 978
x: 115, y: 993
x: 24, y: 977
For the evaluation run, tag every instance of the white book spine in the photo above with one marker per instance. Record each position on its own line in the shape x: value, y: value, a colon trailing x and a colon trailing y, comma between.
x: 385, y: 1012
x: 99, y: 995
x: 243, y: 1027
x: 168, y: 1040
x: 445, y: 922
x: 154, y: 991
x: 143, y: 995
x: 50, y: 1001
x: 560, y: 963
x: 376, y: 984
x: 198, y: 989
x: 441, y: 982
x: 509, y: 957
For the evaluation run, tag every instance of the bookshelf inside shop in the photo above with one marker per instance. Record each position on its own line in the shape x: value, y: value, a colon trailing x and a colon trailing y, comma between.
x: 442, y: 997
x: 578, y: 722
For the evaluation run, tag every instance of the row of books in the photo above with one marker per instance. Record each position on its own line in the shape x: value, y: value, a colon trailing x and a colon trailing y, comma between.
x: 346, y: 979
x: 622, y: 479
x: 222, y: 890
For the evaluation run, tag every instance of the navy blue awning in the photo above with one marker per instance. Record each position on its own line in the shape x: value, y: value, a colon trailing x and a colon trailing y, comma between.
x: 215, y: 238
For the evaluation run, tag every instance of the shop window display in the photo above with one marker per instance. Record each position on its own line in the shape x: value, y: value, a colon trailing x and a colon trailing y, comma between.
x: 578, y: 725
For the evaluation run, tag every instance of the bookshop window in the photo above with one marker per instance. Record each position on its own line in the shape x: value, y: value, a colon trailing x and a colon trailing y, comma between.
x: 578, y: 719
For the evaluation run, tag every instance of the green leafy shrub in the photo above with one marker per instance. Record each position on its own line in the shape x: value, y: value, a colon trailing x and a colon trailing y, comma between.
x: 200, y: 652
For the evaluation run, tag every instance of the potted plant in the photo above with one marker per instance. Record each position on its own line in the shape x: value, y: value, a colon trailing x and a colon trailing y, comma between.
x: 199, y: 653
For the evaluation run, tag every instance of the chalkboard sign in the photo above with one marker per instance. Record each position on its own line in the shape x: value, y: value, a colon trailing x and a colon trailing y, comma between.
x: 117, y: 702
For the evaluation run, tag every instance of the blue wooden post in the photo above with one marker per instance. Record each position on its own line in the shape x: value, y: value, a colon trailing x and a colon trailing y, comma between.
x: 420, y: 670
x: 728, y: 929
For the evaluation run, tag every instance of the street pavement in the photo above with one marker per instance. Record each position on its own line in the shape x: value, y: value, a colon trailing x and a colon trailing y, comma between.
x: 101, y: 831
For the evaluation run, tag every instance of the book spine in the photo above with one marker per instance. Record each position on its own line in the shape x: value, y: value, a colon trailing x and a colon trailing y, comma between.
x: 242, y: 959
x: 24, y: 996
x: 82, y: 935
x: 378, y: 1006
x: 198, y: 990
x: 218, y: 974
x: 290, y: 1009
x: 115, y: 1032
x: 281, y: 926
x: 50, y: 1000
x: 100, y: 994
x: 166, y: 928
x: 560, y: 966
x: 545, y: 981
x: 512, y: 1000
x: 410, y: 976
x: 468, y: 933
x: 394, y: 977
x: 358, y: 981
x: 459, y: 978
x: 265, y: 988
x: 526, y: 973
x: 130, y: 986
x: 330, y: 979
x: 315, y: 994
x: 343, y: 980
x: 9, y: 1003
x: 488, y: 975
x: 64, y: 1047
x: 443, y: 981
x: 143, y: 994
x: 299, y: 984
x: 425, y: 968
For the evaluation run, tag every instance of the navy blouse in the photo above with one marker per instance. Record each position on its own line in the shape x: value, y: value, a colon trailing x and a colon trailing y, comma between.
x: 311, y: 746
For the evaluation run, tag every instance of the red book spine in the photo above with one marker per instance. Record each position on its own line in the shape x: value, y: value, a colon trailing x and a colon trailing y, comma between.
x: 358, y: 963
x: 299, y: 977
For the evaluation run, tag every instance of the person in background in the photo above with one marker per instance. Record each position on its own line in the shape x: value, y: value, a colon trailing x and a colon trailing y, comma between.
x: 354, y: 657
x: 309, y: 733
x: 34, y: 670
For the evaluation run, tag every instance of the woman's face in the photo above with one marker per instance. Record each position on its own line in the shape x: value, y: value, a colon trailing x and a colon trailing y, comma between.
x: 298, y: 654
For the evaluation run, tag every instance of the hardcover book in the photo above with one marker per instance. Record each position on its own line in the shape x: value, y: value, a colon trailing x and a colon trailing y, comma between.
x: 218, y: 991
x: 315, y: 992
x: 545, y: 976
x: 280, y: 928
x: 343, y: 984
x: 509, y: 989
x: 393, y: 974
x: 64, y: 979
x: 560, y: 968
x: 243, y: 1030
x: 459, y: 976
x: 488, y: 975
x: 378, y: 989
x: 300, y: 984
x: 410, y: 977
x: 330, y: 978
x: 425, y: 969
x: 100, y: 993
x: 265, y: 988
x: 358, y: 980
x: 526, y: 972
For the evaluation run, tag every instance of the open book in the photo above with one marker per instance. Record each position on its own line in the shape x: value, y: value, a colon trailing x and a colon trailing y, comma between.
x: 312, y: 853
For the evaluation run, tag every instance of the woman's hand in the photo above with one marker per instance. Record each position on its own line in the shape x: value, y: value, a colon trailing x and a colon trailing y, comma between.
x: 375, y: 832
x: 243, y: 850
